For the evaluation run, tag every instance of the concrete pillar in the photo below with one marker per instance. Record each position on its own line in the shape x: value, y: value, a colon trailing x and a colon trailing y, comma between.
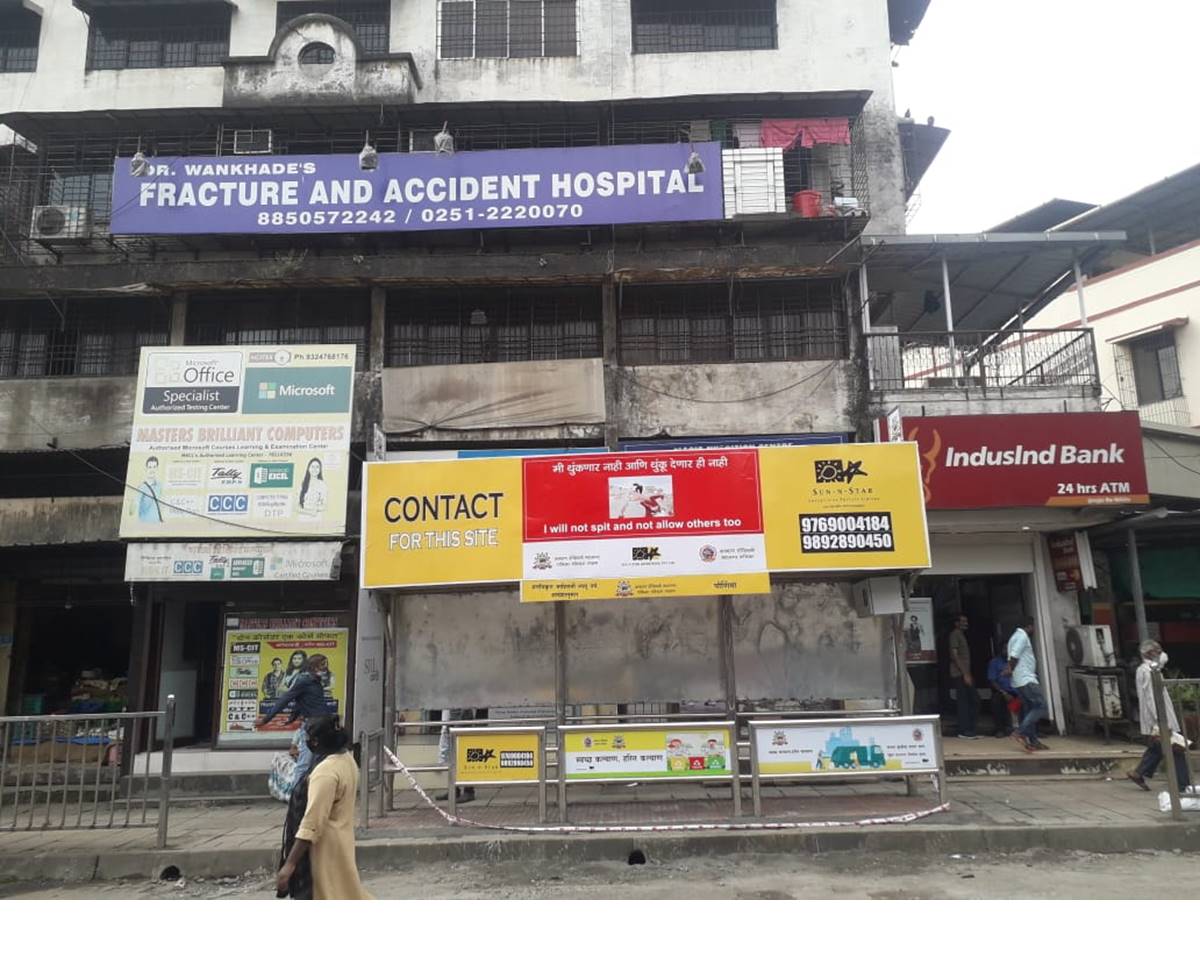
x: 179, y: 312
x: 377, y: 342
x: 611, y: 349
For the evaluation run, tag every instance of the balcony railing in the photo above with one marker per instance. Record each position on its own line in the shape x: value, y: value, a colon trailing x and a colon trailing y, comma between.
x: 970, y: 359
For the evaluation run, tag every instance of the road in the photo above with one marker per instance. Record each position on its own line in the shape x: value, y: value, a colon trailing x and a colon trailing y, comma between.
x: 833, y: 876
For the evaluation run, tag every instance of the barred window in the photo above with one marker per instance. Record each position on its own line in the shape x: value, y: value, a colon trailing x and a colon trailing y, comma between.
x: 800, y: 320
x: 507, y: 29
x: 92, y: 337
x: 157, y: 37
x: 19, y: 32
x: 297, y: 317
x: 371, y: 19
x: 671, y: 26
x: 455, y: 326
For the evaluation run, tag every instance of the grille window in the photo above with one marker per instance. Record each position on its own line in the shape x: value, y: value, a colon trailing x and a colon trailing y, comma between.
x: 371, y: 19
x: 714, y: 323
x: 1156, y: 368
x: 326, y: 317
x: 93, y: 338
x: 461, y: 327
x: 162, y: 37
x: 672, y: 26
x: 19, y: 31
x: 507, y: 29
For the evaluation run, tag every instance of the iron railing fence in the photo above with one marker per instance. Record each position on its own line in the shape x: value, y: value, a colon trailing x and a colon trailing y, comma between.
x: 678, y: 26
x: 982, y: 359
x: 804, y: 320
x: 69, y: 772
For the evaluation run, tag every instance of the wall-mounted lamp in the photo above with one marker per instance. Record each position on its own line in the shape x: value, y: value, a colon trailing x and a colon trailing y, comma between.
x: 138, y: 164
x: 443, y: 142
x: 368, y: 158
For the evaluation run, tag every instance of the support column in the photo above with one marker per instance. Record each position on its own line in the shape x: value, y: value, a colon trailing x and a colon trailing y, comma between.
x: 1139, y: 598
x: 948, y: 307
x: 864, y: 299
x: 725, y: 653
x: 179, y: 312
x: 1083, y: 320
x: 611, y: 348
x: 378, y: 335
x: 560, y: 700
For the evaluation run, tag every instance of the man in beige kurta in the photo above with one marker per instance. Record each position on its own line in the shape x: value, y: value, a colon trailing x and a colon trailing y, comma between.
x: 328, y: 826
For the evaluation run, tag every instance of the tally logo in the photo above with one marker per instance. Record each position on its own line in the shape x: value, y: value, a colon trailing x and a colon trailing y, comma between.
x: 835, y: 471
x: 481, y: 756
x: 651, y: 553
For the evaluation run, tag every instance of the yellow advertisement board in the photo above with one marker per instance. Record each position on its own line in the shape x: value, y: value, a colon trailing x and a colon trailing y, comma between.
x: 496, y: 757
x: 679, y: 587
x: 442, y: 522
x: 263, y: 658
x: 852, y: 507
x: 240, y: 442
x: 640, y: 753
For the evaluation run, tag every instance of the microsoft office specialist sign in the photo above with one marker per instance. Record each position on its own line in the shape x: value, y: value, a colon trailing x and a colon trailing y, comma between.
x: 187, y: 382
x: 1083, y: 459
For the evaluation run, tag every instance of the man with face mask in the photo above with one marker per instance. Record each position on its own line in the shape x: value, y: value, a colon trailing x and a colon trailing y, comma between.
x: 307, y: 697
x: 1153, y: 658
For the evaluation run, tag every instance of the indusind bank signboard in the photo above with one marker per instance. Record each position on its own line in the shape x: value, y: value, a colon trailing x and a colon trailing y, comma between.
x: 596, y: 185
x: 1086, y: 459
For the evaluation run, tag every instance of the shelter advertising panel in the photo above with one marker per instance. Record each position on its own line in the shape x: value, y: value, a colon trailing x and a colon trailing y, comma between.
x: 263, y: 657
x: 332, y: 194
x: 496, y: 757
x: 240, y: 442
x: 634, y: 753
x: 845, y: 746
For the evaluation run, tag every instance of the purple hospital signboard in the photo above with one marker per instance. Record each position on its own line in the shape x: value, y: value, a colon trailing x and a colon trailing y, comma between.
x: 596, y: 185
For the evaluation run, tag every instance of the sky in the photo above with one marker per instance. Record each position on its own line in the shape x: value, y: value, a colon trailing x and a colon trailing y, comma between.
x: 1083, y: 99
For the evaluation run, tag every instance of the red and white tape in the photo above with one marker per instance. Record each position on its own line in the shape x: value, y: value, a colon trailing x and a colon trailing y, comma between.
x: 900, y: 818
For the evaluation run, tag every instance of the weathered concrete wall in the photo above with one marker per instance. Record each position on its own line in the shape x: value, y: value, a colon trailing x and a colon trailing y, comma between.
x: 804, y: 642
x: 758, y: 398
x: 61, y: 520
x: 987, y: 401
x: 82, y: 413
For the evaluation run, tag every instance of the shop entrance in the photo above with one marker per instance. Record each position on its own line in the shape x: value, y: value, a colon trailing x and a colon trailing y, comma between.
x: 994, y: 605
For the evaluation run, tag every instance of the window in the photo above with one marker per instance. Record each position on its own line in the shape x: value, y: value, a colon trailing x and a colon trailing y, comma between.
x: 19, y: 30
x: 371, y: 19
x: 507, y: 29
x: 67, y: 338
x: 317, y: 54
x: 714, y: 323
x: 157, y: 37
x: 300, y: 317
x: 671, y: 26
x: 461, y: 327
x: 1156, y: 368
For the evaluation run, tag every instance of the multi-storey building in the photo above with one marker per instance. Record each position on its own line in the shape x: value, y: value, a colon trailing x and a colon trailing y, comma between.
x: 744, y: 323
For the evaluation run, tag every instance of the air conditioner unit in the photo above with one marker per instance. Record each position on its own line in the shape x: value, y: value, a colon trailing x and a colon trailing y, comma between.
x: 247, y: 142
x: 1090, y: 646
x: 55, y: 223
x: 1097, y: 696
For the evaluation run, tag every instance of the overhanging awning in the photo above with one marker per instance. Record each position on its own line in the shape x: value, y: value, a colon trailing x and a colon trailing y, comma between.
x: 88, y: 6
x: 993, y: 277
x: 1173, y: 324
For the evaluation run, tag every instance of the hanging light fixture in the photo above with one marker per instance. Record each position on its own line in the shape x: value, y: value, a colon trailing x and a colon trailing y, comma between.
x: 368, y: 158
x: 695, y: 165
x: 138, y: 164
x: 443, y: 142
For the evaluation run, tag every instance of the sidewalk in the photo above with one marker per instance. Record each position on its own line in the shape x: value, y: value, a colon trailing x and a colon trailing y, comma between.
x: 986, y: 814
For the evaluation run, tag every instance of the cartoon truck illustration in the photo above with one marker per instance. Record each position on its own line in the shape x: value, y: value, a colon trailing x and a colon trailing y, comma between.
x: 858, y: 757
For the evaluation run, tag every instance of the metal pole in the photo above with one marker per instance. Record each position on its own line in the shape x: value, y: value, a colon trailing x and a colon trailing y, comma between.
x: 452, y: 775
x: 364, y: 777
x: 864, y: 299
x: 737, y: 767
x: 560, y: 702
x: 943, y: 796
x: 1083, y: 320
x: 725, y: 651
x: 542, y: 775
x: 379, y: 771
x: 755, y: 781
x: 164, y: 777
x: 1021, y: 345
x: 949, y: 310
x: 1139, y: 599
x: 1164, y: 739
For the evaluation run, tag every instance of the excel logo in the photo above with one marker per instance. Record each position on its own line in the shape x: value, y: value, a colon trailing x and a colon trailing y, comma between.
x: 481, y: 756
x: 272, y: 474
x: 836, y: 471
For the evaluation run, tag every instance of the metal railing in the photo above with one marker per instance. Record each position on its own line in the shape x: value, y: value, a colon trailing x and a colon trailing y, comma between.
x: 373, y: 781
x: 65, y: 772
x: 982, y: 359
x: 670, y: 28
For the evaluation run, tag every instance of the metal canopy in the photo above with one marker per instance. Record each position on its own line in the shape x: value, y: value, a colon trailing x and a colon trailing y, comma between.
x: 1156, y: 218
x: 993, y: 277
x: 905, y: 17
x: 920, y: 143
x: 1045, y: 216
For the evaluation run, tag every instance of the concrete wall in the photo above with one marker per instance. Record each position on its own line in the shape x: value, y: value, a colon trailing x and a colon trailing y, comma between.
x: 720, y: 399
x: 986, y: 401
x: 82, y: 413
x: 1142, y: 295
x: 62, y: 520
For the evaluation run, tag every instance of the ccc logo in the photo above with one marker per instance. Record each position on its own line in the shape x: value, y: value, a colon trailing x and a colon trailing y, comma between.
x: 228, y: 503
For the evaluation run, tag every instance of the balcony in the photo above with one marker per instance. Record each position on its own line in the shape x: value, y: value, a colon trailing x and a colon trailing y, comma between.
x: 939, y: 369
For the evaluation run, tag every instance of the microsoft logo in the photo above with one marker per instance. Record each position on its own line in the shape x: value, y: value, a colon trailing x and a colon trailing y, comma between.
x: 267, y: 389
x: 292, y: 390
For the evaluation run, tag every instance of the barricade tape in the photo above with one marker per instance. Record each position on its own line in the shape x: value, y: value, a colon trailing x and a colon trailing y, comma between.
x: 454, y: 820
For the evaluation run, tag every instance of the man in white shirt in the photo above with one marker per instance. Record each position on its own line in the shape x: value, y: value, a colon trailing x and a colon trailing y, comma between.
x: 1153, y: 658
x: 1022, y: 663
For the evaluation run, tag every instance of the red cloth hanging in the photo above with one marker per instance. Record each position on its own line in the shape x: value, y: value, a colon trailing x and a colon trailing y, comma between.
x: 809, y: 132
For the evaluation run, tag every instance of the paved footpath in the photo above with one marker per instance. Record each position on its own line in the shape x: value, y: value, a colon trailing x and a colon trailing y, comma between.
x: 1095, y: 814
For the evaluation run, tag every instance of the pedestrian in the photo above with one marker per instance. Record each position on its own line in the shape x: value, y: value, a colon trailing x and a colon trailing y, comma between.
x: 1022, y: 664
x: 462, y: 794
x: 317, y: 860
x: 1003, y: 696
x: 306, y: 694
x: 1154, y: 658
x: 964, y: 680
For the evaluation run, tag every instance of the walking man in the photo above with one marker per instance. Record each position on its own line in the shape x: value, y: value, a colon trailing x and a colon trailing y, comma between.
x: 307, y: 697
x: 1153, y: 658
x: 1022, y: 663
x: 964, y: 681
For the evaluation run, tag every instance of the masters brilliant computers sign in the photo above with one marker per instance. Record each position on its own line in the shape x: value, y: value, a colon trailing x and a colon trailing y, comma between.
x: 238, y: 442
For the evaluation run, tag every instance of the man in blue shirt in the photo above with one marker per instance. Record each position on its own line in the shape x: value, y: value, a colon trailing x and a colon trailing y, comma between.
x: 1022, y: 664
x: 1002, y: 693
x: 307, y: 698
